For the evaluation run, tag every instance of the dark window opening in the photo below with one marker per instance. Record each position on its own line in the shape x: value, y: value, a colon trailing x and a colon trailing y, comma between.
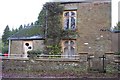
x: 30, y: 47
x: 27, y: 44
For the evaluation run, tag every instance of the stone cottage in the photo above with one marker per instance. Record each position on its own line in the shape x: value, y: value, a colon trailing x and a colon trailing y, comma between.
x: 24, y: 41
x: 90, y: 18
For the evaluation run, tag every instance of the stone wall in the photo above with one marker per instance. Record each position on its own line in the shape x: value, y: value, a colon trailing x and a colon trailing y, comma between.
x: 38, y: 44
x: 93, y: 24
x: 16, y: 47
x: 45, y: 68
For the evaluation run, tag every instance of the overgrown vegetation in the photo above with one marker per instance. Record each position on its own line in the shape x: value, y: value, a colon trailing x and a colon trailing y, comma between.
x: 34, y: 53
x: 50, y: 19
x: 5, y: 35
x: 5, y: 49
x: 117, y: 27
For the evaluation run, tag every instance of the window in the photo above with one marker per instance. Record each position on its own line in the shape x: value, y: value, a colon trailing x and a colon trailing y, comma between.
x: 69, y: 48
x: 69, y: 20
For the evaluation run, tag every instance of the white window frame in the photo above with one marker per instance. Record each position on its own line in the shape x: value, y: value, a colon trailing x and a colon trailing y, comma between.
x: 69, y: 17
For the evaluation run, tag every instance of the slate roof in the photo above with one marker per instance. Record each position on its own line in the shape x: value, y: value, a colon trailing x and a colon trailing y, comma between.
x: 28, y: 33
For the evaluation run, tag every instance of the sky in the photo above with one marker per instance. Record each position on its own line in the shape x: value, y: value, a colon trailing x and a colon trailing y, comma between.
x: 114, y: 12
x: 19, y: 12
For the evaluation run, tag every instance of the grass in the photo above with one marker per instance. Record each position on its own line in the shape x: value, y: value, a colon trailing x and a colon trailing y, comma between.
x: 111, y: 69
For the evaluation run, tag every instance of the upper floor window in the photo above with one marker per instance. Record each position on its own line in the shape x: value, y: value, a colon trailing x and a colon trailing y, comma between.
x: 69, y: 20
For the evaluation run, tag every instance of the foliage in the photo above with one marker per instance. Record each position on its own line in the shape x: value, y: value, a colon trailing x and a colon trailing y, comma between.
x: 14, y: 31
x: 118, y: 25
x: 5, y: 35
x: 27, y: 32
x: 54, y: 49
x: 69, y: 34
x: 21, y: 27
x: 34, y: 53
x: 5, y: 49
x: 50, y: 20
x: 117, y: 53
x: 1, y: 45
x: 54, y: 24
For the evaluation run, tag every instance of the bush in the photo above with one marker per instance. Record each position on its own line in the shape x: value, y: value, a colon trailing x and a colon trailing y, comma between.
x: 34, y: 53
x: 54, y: 49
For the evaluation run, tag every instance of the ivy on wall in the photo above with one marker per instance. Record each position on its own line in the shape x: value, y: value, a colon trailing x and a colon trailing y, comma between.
x: 50, y: 18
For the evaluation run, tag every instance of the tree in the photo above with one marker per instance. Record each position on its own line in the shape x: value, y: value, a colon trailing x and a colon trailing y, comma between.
x: 14, y: 31
x: 118, y: 25
x: 6, y: 35
x: 50, y: 20
x: 0, y: 45
x: 21, y: 27
x: 31, y: 24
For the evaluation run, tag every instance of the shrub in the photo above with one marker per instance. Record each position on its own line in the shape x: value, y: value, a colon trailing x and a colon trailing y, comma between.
x: 34, y: 53
x: 54, y: 49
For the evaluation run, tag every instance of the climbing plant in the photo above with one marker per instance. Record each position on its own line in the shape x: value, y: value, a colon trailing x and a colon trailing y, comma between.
x: 50, y: 18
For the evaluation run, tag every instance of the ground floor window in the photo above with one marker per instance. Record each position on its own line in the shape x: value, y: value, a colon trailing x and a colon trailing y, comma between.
x: 69, y: 48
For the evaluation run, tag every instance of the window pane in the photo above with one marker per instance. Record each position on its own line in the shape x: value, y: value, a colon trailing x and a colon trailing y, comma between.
x: 72, y: 13
x: 66, y: 51
x: 72, y: 23
x: 71, y: 43
x: 66, y: 43
x: 66, y: 23
x: 66, y: 14
x: 72, y: 51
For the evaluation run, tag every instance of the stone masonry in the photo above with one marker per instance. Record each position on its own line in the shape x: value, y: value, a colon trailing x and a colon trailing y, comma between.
x: 93, y: 24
